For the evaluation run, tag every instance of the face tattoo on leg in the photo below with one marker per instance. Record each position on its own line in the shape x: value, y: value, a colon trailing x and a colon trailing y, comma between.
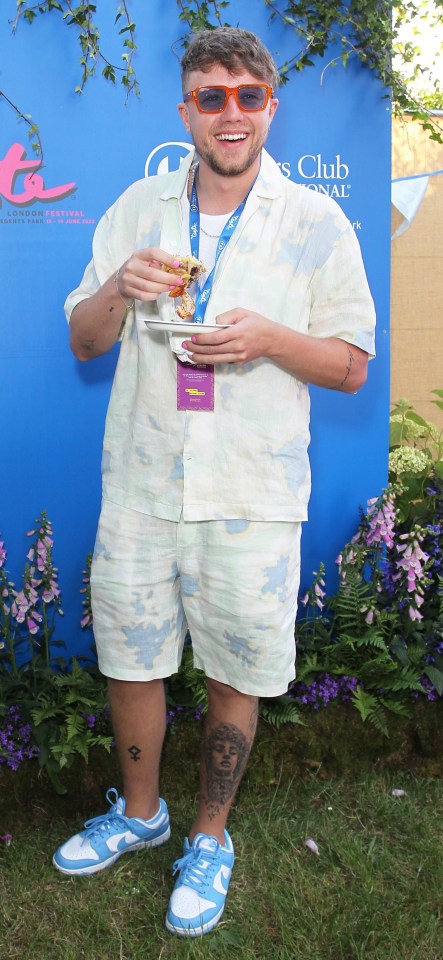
x: 225, y: 752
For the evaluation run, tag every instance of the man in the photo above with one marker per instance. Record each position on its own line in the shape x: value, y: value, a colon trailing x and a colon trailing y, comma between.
x: 205, y: 468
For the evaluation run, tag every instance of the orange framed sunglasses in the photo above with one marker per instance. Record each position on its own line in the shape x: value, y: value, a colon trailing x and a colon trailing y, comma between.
x: 249, y: 97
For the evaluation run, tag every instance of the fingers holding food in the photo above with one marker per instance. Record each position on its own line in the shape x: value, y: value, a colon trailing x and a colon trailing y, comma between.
x: 142, y: 276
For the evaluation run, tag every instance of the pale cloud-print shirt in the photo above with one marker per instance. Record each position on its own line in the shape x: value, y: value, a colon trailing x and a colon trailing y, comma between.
x: 295, y: 259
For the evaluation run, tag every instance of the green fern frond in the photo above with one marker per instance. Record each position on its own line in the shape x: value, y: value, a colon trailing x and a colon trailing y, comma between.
x: 279, y: 710
x: 372, y: 638
x: 100, y: 741
x: 370, y: 708
x: 398, y: 707
x: 377, y: 671
x: 406, y: 679
x: 40, y: 714
x: 75, y: 725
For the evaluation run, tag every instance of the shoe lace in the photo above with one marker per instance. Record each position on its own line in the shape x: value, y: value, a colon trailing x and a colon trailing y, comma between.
x: 106, y: 821
x: 197, y: 865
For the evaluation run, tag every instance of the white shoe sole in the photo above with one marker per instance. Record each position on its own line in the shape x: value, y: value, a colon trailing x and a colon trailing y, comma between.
x: 96, y: 867
x: 195, y: 931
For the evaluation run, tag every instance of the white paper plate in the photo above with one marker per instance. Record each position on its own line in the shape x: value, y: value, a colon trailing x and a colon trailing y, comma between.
x: 184, y: 328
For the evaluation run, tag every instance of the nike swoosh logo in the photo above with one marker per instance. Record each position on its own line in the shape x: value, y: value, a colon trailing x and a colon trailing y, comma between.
x: 223, y: 874
x: 120, y: 841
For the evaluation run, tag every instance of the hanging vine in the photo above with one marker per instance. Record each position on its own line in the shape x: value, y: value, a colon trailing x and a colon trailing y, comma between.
x: 82, y: 18
x: 369, y: 30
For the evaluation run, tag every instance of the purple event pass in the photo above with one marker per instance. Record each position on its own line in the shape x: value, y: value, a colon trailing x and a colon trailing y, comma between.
x: 195, y: 386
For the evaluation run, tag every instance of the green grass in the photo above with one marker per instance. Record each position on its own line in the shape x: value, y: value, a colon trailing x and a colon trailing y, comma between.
x: 375, y: 892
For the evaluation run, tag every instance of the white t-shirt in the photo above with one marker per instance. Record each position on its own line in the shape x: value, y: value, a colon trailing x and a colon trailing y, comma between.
x: 211, y: 226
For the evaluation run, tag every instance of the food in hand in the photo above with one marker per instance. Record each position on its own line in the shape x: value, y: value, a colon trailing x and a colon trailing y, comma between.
x: 191, y: 269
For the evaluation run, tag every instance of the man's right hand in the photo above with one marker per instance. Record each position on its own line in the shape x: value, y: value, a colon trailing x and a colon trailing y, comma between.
x: 142, y: 276
x: 96, y: 321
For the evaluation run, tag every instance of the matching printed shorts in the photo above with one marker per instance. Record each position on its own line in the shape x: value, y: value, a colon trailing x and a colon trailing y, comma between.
x: 233, y: 583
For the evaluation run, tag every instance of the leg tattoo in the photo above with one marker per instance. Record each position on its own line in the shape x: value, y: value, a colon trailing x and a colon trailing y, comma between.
x: 134, y: 753
x: 225, y: 753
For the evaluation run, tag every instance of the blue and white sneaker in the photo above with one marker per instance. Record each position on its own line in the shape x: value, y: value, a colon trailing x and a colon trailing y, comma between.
x: 105, y: 838
x: 198, y: 898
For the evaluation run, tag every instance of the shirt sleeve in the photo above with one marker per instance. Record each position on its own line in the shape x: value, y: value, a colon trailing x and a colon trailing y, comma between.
x: 99, y: 268
x: 342, y: 305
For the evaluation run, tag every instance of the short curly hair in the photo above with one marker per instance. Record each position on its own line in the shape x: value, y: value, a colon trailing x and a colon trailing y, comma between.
x: 233, y: 48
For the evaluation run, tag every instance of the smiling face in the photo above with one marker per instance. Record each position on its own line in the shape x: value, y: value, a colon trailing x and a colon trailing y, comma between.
x: 228, y: 143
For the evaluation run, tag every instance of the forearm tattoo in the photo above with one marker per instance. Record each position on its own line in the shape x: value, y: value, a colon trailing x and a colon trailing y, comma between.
x: 225, y: 753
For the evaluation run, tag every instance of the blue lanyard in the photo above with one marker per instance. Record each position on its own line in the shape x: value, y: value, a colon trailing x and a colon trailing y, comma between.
x: 203, y: 293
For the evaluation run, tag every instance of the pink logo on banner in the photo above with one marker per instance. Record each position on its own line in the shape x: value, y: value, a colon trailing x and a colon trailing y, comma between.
x: 12, y: 166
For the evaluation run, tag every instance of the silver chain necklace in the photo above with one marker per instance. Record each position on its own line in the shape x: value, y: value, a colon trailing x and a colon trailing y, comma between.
x: 213, y: 236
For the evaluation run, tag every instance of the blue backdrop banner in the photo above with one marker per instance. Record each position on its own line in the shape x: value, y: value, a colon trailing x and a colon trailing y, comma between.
x: 331, y: 134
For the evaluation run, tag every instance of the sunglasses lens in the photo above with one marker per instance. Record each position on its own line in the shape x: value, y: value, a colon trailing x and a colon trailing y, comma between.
x: 252, y: 98
x: 211, y: 99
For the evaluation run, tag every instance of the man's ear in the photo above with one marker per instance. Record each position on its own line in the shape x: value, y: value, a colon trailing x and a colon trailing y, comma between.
x: 184, y: 114
x: 272, y: 109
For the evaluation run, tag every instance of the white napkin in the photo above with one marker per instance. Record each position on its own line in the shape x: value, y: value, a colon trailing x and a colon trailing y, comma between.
x: 176, y: 346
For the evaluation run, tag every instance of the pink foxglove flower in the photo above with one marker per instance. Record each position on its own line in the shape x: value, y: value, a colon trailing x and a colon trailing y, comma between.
x: 415, y: 614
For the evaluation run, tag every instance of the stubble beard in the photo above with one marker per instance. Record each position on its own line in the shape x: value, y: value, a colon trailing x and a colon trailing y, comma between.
x: 229, y: 168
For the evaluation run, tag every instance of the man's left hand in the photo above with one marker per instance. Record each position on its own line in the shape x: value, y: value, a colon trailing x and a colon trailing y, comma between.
x: 246, y: 337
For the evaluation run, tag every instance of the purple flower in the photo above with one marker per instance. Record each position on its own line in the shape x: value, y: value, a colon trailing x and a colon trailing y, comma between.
x: 15, y: 739
x: 382, y: 518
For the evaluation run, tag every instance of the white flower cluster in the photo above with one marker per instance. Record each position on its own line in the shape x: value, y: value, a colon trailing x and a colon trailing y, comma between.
x: 408, y: 460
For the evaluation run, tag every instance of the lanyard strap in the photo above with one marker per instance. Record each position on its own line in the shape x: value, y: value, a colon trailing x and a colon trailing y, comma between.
x: 204, y: 292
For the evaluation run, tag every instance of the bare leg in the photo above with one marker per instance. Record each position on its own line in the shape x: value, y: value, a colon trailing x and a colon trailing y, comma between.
x: 228, y: 736
x: 139, y: 722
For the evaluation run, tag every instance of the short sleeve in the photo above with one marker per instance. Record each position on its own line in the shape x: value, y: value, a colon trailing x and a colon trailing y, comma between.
x: 99, y: 268
x: 342, y: 305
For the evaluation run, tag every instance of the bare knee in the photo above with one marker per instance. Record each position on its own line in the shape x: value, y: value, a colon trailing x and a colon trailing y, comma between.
x: 223, y: 692
x: 133, y: 691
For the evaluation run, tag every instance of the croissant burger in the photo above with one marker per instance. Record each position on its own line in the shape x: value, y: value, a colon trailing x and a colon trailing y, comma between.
x: 191, y: 269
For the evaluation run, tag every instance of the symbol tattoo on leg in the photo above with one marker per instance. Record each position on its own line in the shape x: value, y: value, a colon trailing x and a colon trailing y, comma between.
x: 134, y: 753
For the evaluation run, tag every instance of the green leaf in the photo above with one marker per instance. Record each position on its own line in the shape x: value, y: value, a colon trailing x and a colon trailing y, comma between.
x: 412, y: 415
x: 53, y: 776
x: 395, y: 433
x: 436, y: 678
